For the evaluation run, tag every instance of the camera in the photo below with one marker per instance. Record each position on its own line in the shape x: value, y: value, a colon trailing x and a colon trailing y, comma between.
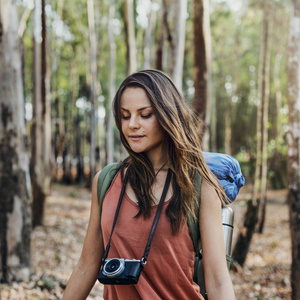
x: 120, y: 271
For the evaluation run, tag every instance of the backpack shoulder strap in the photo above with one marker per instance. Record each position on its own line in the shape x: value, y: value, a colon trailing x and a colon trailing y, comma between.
x: 105, y: 179
x: 193, y: 223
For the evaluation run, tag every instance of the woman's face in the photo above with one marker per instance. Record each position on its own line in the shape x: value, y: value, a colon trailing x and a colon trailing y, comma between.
x: 139, y: 123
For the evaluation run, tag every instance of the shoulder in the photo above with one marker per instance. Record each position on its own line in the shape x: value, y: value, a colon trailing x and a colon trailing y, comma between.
x: 209, y: 198
x: 108, y: 172
x: 103, y: 179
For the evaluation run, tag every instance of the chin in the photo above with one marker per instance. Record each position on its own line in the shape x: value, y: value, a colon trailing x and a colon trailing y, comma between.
x: 138, y: 150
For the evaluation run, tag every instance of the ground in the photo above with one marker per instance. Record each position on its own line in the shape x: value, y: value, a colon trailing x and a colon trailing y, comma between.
x: 56, y: 248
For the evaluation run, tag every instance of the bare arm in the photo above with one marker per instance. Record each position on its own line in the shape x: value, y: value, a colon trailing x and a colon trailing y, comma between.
x: 86, y: 271
x: 217, y: 279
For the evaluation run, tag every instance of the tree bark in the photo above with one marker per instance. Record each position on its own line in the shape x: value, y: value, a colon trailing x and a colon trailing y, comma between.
x: 160, y: 39
x: 94, y: 89
x: 130, y: 36
x: 15, y: 212
x: 278, y: 93
x: 293, y: 140
x: 148, y: 39
x: 179, y: 41
x: 112, y: 83
x: 202, y: 48
x: 41, y: 122
x: 265, y: 114
x: 242, y: 245
x: 228, y: 128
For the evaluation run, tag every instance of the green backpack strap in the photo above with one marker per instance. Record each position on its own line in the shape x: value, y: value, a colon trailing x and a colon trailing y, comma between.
x: 105, y: 179
x: 193, y: 225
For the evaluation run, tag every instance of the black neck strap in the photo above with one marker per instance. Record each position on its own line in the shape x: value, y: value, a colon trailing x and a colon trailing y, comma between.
x: 155, y: 221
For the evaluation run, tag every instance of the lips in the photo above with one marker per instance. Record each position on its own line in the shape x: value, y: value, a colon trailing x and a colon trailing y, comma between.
x: 136, y: 137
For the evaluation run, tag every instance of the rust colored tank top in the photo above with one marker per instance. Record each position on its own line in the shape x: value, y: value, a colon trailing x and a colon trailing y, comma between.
x: 168, y: 273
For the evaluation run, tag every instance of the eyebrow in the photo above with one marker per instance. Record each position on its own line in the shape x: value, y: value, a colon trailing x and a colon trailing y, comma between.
x: 140, y: 109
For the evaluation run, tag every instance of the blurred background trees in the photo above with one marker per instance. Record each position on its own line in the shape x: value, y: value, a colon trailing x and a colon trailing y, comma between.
x: 228, y: 57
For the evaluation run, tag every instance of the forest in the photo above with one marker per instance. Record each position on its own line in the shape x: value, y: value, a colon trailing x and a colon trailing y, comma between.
x: 237, y: 63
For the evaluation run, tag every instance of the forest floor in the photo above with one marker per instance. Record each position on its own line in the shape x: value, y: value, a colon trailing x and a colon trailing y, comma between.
x: 56, y: 248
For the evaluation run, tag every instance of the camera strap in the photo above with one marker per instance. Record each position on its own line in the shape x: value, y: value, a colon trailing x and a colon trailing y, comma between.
x: 155, y: 221
x: 116, y: 214
x: 157, y: 215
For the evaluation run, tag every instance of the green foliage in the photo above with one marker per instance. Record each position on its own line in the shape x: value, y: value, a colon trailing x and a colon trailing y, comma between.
x: 273, y: 245
x: 235, y: 37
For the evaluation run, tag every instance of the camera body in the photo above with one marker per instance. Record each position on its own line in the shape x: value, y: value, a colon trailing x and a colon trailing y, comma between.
x: 120, y: 271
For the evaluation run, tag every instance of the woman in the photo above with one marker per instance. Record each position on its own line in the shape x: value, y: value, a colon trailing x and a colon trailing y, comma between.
x: 159, y: 132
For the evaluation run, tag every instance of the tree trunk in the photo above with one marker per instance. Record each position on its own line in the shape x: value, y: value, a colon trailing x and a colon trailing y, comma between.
x: 160, y: 39
x: 94, y: 89
x: 130, y: 36
x: 179, y: 41
x: 23, y: 21
x: 41, y: 123
x: 228, y: 128
x: 112, y: 84
x: 293, y: 140
x: 278, y: 94
x: 242, y: 245
x: 265, y: 113
x: 15, y: 212
x: 148, y: 39
x: 202, y: 47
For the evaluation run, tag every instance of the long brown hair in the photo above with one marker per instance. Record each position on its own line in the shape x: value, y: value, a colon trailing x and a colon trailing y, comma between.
x: 182, y: 142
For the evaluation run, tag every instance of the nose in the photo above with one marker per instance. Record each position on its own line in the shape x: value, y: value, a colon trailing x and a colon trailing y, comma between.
x: 134, y: 122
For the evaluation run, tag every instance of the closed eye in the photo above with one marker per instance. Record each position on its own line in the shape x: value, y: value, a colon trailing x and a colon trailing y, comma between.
x: 147, y: 116
x: 125, y: 117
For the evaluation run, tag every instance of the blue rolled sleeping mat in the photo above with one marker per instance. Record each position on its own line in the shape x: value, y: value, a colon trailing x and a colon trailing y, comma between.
x: 227, y: 169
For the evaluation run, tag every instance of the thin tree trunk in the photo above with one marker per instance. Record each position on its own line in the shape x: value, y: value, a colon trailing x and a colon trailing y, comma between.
x: 265, y: 113
x: 15, y: 208
x: 148, y: 39
x: 202, y: 65
x: 112, y: 83
x: 242, y: 245
x: 94, y: 88
x: 160, y: 40
x: 41, y: 123
x: 179, y: 41
x: 23, y: 21
x: 278, y: 94
x: 293, y: 140
x: 130, y: 36
x: 228, y: 128
x: 257, y: 174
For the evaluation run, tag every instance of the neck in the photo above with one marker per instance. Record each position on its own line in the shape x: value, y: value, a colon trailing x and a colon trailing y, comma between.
x: 159, y: 162
x: 161, y: 168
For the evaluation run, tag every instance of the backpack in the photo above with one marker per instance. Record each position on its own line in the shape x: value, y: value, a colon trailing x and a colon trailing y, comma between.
x: 109, y: 172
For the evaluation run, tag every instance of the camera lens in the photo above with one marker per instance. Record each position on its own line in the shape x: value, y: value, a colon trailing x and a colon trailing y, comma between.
x: 113, y: 267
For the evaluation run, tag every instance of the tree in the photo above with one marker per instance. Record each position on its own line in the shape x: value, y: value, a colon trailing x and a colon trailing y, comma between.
x: 202, y: 65
x: 130, y: 36
x: 178, y: 41
x: 264, y: 98
x: 15, y: 212
x: 94, y: 88
x: 171, y: 39
x: 148, y: 39
x: 293, y: 140
x: 41, y: 123
x: 112, y: 83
